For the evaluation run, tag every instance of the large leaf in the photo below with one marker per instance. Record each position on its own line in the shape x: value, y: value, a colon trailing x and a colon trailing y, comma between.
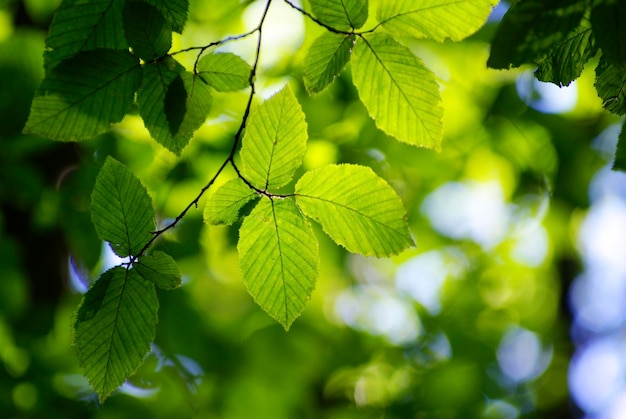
x: 146, y: 30
x: 399, y: 92
x: 435, y: 19
x: 224, y: 206
x: 608, y: 19
x: 532, y: 28
x: 611, y: 86
x: 82, y: 96
x: 84, y: 26
x: 174, y: 11
x: 565, y: 62
x: 114, y: 328
x: 327, y: 56
x: 160, y: 269
x: 278, y: 255
x: 275, y: 141
x: 225, y: 72
x: 341, y: 14
x: 356, y: 208
x: 173, y: 103
x: 121, y: 209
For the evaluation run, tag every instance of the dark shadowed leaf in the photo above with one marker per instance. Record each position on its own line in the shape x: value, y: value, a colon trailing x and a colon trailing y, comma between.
x: 146, y: 30
x: 160, y: 269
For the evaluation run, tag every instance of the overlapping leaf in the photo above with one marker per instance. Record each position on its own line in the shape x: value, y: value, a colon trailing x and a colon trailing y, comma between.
x: 84, y: 26
x: 278, y: 255
x: 341, y: 14
x: 275, y: 141
x: 410, y: 108
x: 114, y: 328
x: 160, y: 269
x: 146, y: 30
x: 226, y: 203
x: 611, y: 86
x: 356, y: 208
x: 174, y: 11
x: 225, y: 72
x: 83, y: 95
x: 608, y: 19
x: 434, y: 19
x: 121, y: 209
x: 327, y: 56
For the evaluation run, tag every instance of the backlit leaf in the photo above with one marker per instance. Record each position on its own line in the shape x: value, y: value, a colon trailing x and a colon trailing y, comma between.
x: 82, y: 96
x: 340, y: 14
x: 435, y: 19
x: 278, y: 255
x: 224, y: 205
x: 115, y: 325
x: 174, y: 11
x: 356, y: 208
x: 160, y: 269
x: 275, y: 141
x: 325, y: 59
x: 121, y: 209
x: 225, y: 72
x: 410, y: 108
x: 146, y: 30
x: 611, y: 86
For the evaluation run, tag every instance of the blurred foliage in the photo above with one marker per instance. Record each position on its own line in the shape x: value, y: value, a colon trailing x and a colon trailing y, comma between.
x: 473, y: 322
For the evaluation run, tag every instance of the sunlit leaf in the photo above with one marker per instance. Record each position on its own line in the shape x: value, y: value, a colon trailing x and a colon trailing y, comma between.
x: 325, y: 59
x: 611, y: 86
x: 275, y: 141
x: 434, y: 19
x: 225, y: 72
x: 121, y: 209
x: 82, y: 96
x: 84, y: 26
x: 224, y: 205
x: 173, y: 103
x: 160, y: 269
x: 399, y: 92
x: 608, y: 19
x: 340, y: 14
x: 115, y: 325
x: 146, y: 30
x: 356, y: 208
x: 174, y: 11
x: 278, y: 255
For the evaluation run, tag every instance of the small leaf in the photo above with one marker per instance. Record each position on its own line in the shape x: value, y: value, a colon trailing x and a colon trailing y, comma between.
x: 160, y: 269
x: 620, y: 153
x: 340, y: 14
x: 225, y: 72
x: 434, y: 19
x: 356, y: 208
x: 146, y: 30
x: 410, y: 108
x: 278, y: 255
x: 81, y: 97
x: 608, y: 19
x: 115, y: 325
x: 84, y: 26
x: 275, y: 141
x: 121, y: 209
x: 224, y: 205
x: 325, y: 59
x: 173, y: 103
x: 174, y: 11
x: 611, y: 86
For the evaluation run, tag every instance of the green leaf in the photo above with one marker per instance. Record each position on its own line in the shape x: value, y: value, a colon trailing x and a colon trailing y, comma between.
x: 278, y: 255
x: 225, y: 72
x: 173, y: 103
x: 410, y: 108
x: 146, y: 30
x: 608, y: 19
x: 340, y: 14
x: 434, y: 19
x: 82, y: 96
x: 611, y: 86
x: 84, y: 26
x: 531, y: 29
x: 121, y: 209
x: 356, y: 208
x: 565, y: 62
x: 174, y: 11
x: 224, y: 205
x: 325, y: 59
x: 275, y: 141
x: 160, y: 269
x: 115, y: 325
x: 620, y: 153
